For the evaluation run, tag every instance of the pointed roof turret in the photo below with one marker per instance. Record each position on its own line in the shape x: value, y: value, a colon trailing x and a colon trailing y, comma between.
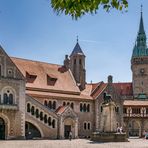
x: 77, y: 49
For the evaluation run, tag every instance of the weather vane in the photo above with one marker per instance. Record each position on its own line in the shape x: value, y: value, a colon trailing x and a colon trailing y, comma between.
x: 77, y: 38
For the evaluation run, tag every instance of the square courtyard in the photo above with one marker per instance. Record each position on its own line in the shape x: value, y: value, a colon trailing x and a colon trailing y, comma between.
x: 75, y: 143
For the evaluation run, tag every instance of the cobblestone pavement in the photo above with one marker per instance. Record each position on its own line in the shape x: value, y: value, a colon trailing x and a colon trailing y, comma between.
x: 77, y: 143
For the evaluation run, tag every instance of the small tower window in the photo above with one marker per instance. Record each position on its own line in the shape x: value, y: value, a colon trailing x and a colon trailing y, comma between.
x: 74, y: 61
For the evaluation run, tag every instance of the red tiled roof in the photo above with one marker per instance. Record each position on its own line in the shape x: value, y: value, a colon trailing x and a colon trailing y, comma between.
x: 65, y: 81
x: 124, y: 88
x: 58, y: 95
x: 60, y: 109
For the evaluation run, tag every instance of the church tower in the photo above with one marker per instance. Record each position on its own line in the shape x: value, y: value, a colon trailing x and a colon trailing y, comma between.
x: 139, y: 64
x: 77, y: 65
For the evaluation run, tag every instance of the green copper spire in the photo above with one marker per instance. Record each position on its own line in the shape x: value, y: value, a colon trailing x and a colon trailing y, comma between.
x: 141, y: 26
x: 140, y: 48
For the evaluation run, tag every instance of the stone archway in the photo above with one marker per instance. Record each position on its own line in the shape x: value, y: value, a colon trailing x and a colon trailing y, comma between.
x: 69, y: 125
x: 134, y: 129
x: 31, y: 131
x: 2, y: 129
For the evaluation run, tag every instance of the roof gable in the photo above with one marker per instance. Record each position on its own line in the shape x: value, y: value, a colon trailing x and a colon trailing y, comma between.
x: 8, y: 67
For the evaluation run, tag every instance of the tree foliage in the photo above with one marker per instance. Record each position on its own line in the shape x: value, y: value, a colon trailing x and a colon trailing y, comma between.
x: 78, y: 8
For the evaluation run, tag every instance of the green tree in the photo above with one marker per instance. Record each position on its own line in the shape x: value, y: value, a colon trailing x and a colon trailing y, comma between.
x: 78, y: 8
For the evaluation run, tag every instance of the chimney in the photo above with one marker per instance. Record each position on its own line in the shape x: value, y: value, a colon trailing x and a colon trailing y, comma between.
x: 66, y: 62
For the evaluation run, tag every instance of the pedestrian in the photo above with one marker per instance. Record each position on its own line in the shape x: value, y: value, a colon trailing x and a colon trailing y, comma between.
x: 70, y: 135
x: 121, y: 130
x: 118, y: 129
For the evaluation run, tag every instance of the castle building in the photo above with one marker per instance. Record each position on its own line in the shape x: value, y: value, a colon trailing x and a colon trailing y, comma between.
x: 42, y: 100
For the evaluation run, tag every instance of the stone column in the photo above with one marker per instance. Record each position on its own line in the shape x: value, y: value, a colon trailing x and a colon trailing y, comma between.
x: 61, y: 132
x: 76, y: 128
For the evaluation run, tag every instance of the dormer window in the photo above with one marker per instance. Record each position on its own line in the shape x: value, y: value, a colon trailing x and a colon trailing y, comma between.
x: 30, y: 76
x: 51, y: 80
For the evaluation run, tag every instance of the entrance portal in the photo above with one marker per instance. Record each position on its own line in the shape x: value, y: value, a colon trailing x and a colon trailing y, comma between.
x: 67, y: 129
x: 134, y: 129
x: 31, y: 131
x: 2, y: 129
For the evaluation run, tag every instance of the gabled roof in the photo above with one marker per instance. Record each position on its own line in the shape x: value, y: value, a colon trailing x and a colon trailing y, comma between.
x: 77, y: 50
x: 65, y: 81
x: 60, y: 109
x: 66, y: 111
x: 99, y: 90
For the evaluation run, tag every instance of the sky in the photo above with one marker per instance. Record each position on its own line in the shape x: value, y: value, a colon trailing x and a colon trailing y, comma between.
x: 30, y: 29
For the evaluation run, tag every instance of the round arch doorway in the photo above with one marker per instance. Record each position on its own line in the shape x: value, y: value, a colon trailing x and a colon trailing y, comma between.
x: 70, y: 125
x: 31, y: 131
x: 2, y: 129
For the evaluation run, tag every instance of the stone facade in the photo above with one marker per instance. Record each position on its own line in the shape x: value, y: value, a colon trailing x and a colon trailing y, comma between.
x: 42, y: 100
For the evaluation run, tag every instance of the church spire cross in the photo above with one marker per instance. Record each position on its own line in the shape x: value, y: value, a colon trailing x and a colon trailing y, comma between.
x: 77, y: 38
x: 141, y: 8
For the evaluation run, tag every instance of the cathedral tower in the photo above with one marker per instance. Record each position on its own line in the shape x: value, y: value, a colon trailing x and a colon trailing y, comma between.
x: 139, y: 64
x: 77, y: 65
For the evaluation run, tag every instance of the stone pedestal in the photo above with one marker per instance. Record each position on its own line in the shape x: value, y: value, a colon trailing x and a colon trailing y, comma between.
x: 108, y: 127
x: 108, y: 118
x: 109, y: 137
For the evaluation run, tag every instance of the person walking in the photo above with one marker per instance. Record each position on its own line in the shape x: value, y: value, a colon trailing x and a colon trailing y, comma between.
x: 70, y: 135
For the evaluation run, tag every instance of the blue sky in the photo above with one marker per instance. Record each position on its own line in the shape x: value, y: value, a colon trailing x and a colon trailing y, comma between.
x: 31, y: 29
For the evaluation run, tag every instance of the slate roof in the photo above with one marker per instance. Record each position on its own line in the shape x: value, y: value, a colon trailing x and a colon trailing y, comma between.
x: 77, y: 50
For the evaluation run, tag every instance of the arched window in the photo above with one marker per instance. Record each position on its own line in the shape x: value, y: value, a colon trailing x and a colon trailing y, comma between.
x: 88, y: 126
x: 41, y: 116
x: 54, y: 105
x: 49, y: 121
x: 32, y: 110
x: 5, y: 98
x: 64, y: 103
x: 50, y: 104
x: 68, y: 103
x: 81, y: 108
x: 85, y: 125
x: 88, y: 107
x: 37, y: 113
x: 72, y: 105
x: 8, y: 96
x: 45, y: 103
x: 84, y: 107
x: 28, y: 107
x: 45, y: 118
x: 53, y: 123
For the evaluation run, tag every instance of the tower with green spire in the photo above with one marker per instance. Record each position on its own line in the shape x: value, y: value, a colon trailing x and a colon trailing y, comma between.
x: 139, y: 63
